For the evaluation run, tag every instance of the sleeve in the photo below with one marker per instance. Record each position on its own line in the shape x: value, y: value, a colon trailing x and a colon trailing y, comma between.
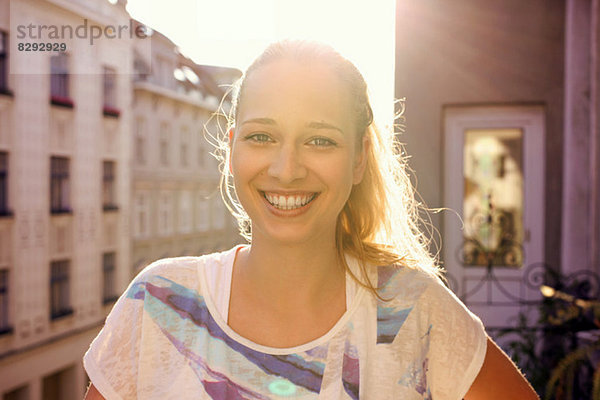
x: 458, y: 344
x: 111, y: 362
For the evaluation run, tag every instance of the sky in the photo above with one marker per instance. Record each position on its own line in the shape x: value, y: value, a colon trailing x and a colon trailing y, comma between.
x: 233, y: 33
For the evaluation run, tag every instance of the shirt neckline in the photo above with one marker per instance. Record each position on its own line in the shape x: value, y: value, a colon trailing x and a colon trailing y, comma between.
x: 226, y: 261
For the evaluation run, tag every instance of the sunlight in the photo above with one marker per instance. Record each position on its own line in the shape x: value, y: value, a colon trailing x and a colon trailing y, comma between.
x: 233, y: 32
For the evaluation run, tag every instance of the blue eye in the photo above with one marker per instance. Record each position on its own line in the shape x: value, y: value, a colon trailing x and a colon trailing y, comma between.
x: 322, y: 142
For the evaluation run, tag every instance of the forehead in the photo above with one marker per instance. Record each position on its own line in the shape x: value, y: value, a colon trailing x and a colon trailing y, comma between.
x: 286, y: 89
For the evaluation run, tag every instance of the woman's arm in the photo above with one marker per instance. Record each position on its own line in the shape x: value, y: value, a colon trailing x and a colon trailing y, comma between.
x: 93, y: 393
x: 499, y: 378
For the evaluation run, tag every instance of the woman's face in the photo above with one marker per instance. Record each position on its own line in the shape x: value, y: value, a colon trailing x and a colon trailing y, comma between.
x: 295, y: 155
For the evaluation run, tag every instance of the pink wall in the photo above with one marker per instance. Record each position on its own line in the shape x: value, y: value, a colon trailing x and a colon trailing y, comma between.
x: 480, y: 52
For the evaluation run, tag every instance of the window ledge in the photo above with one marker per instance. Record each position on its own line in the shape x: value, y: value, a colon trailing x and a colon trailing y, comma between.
x: 112, y: 112
x: 60, y: 211
x: 109, y: 300
x: 61, y: 101
x: 7, y: 330
x: 6, y: 213
x: 60, y: 314
x: 4, y: 91
x: 493, y: 266
x: 110, y: 207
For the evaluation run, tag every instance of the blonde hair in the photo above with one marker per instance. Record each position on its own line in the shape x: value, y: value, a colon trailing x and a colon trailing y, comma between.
x: 379, y: 224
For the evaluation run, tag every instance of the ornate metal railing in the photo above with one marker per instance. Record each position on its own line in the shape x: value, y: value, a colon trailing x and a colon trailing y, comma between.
x: 558, y: 348
x: 498, y: 247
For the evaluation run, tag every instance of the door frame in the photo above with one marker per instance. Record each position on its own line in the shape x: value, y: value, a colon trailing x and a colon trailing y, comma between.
x: 531, y: 120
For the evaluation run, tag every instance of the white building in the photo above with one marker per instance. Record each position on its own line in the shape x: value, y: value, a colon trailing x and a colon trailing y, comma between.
x: 64, y: 190
x: 72, y: 125
x: 176, y: 203
x: 64, y: 149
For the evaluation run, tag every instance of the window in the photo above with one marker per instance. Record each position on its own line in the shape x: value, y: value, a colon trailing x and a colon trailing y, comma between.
x: 493, y: 196
x: 201, y: 150
x: 164, y: 144
x: 4, y: 320
x: 59, y: 80
x: 60, y: 385
x: 109, y: 293
x: 184, y: 144
x: 165, y: 214
x: 185, y: 217
x: 202, y: 213
x: 140, y: 68
x: 159, y: 66
x: 493, y: 175
x: 218, y: 213
x: 108, y: 185
x: 4, y: 184
x: 60, y: 298
x: 141, y: 212
x: 140, y: 141
x: 3, y: 62
x: 163, y: 72
x: 110, y: 92
x: 110, y: 83
x: 59, y: 185
x: 20, y: 393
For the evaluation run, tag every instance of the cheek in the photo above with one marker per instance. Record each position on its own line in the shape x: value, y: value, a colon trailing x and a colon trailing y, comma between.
x: 342, y: 167
x: 241, y: 161
x: 236, y: 162
x: 337, y: 172
x: 245, y: 166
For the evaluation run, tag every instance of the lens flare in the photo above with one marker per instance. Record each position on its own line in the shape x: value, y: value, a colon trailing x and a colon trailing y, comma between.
x: 282, y: 387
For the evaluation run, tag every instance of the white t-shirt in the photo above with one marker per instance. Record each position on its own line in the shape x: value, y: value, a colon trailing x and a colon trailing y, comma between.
x: 167, y: 338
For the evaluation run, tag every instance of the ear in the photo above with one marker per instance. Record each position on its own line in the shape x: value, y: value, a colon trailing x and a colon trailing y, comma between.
x: 230, y: 135
x: 360, y: 162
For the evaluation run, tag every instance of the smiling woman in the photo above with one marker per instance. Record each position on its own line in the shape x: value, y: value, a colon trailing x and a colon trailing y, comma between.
x: 334, y: 297
x: 288, y: 157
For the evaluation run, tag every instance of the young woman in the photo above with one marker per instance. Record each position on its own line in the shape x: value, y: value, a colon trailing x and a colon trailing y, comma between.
x: 336, y: 296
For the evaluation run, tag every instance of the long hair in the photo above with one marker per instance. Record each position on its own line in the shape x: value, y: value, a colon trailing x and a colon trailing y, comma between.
x: 379, y: 224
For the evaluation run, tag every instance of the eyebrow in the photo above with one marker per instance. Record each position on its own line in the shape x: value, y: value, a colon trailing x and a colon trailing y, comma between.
x: 323, y: 125
x: 311, y: 125
x: 264, y: 121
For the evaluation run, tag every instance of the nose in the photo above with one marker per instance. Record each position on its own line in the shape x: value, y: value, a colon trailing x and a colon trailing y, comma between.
x: 287, y: 165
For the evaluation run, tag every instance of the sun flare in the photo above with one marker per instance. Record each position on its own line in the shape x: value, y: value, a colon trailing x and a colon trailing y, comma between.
x: 233, y: 32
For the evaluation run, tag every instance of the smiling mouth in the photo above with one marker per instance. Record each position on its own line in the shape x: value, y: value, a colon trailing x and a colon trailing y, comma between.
x: 288, y: 202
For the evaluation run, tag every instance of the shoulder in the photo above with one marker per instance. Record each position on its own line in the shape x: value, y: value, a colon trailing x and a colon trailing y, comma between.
x: 421, y: 294
x: 180, y: 272
x: 427, y: 299
x: 168, y: 266
x: 415, y: 287
x: 396, y: 282
x: 175, y: 266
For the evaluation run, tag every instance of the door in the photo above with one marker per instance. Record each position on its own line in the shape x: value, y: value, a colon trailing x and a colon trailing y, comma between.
x: 494, y: 186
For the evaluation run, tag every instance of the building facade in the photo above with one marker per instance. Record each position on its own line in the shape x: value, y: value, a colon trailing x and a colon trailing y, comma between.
x: 176, y: 201
x: 501, y: 121
x: 64, y: 229
x: 103, y: 168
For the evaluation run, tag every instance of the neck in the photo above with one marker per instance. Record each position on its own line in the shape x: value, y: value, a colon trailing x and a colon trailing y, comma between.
x: 291, y: 273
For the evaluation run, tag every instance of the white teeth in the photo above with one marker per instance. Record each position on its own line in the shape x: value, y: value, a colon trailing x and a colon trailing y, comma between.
x: 289, y: 202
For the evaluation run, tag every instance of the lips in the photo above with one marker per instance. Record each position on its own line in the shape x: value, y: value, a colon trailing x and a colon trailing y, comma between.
x: 289, y: 202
